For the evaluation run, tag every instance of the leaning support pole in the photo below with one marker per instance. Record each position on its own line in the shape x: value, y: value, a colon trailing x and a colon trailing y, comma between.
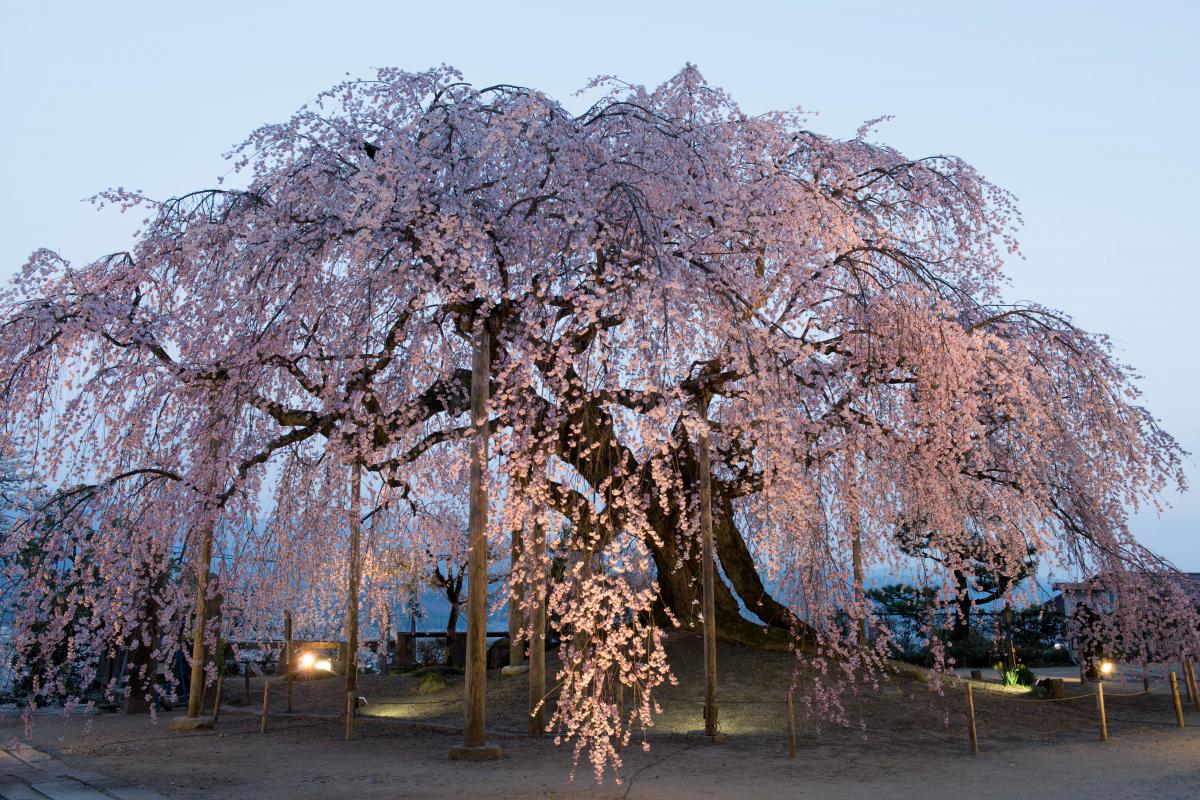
x: 537, y: 637
x: 710, y: 602
x: 475, y: 684
x: 352, y: 589
x: 1100, y: 711
x: 1175, y: 699
x: 1193, y: 690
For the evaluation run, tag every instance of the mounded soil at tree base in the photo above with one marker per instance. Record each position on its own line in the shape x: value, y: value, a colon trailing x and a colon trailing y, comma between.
x: 903, y: 740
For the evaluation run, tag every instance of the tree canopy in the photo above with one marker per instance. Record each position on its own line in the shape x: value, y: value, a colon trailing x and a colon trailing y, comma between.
x: 830, y: 311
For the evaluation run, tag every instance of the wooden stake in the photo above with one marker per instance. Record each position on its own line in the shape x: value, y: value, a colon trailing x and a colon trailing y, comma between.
x: 1175, y: 698
x: 537, y: 638
x: 974, y: 735
x: 475, y: 688
x: 266, y: 705
x: 1100, y: 708
x: 791, y: 725
x: 351, y: 702
x: 709, y: 580
x: 217, y: 702
x: 1187, y: 683
x: 1145, y: 678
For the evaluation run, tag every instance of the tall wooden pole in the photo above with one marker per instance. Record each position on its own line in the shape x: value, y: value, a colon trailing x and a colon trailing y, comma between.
x: 1100, y: 711
x: 352, y: 586
x: 474, y: 695
x: 710, y: 597
x: 855, y: 528
x: 516, y: 653
x: 537, y: 637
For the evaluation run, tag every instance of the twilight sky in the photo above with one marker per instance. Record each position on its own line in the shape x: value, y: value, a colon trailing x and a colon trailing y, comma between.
x: 1085, y: 111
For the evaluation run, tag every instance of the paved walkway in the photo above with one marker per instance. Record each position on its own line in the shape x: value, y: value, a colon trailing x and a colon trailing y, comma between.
x: 29, y: 774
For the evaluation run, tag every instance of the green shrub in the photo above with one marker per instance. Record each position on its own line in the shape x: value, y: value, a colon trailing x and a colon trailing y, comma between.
x: 1020, y: 675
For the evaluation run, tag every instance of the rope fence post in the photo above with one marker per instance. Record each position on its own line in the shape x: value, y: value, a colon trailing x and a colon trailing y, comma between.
x: 266, y: 709
x: 1187, y: 683
x: 1175, y: 698
x: 971, y: 720
x: 1191, y: 672
x: 1100, y: 708
x: 791, y: 725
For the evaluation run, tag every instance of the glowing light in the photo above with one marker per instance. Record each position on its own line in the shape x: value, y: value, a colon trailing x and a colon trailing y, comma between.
x: 1107, y: 667
x: 324, y: 665
x: 307, y: 660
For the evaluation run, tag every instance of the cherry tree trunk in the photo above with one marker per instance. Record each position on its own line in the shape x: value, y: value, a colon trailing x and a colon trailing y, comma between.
x: 353, y: 583
x: 474, y: 695
x: 537, y: 638
x: 709, y: 575
x: 203, y: 566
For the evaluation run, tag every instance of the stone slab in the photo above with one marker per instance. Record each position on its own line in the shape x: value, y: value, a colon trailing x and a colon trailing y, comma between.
x: 519, y: 669
x: 134, y: 793
x: 68, y: 790
x: 19, y: 791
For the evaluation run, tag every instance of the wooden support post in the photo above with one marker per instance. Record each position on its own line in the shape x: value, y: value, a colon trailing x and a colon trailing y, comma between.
x: 474, y: 745
x: 791, y: 724
x: 288, y: 655
x: 1145, y: 677
x: 537, y: 637
x: 246, y: 684
x: 351, y: 702
x: 1175, y: 699
x: 352, y: 586
x: 1100, y: 709
x: 266, y: 709
x: 475, y: 694
x: 973, y: 734
x: 1187, y: 683
x: 516, y: 653
x: 217, y: 702
x: 1194, y: 692
x: 704, y: 470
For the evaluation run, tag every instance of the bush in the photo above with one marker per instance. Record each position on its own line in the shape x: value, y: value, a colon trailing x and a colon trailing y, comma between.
x: 1020, y: 675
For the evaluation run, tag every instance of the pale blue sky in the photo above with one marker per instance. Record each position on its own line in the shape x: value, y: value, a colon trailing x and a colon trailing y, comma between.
x: 1088, y: 112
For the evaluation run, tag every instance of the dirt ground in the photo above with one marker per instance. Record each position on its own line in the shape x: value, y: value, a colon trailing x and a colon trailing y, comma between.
x: 904, y: 740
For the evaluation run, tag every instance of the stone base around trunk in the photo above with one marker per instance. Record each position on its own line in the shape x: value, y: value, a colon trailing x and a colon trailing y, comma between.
x: 701, y: 736
x: 514, y: 669
x: 184, y: 724
x: 487, y: 752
